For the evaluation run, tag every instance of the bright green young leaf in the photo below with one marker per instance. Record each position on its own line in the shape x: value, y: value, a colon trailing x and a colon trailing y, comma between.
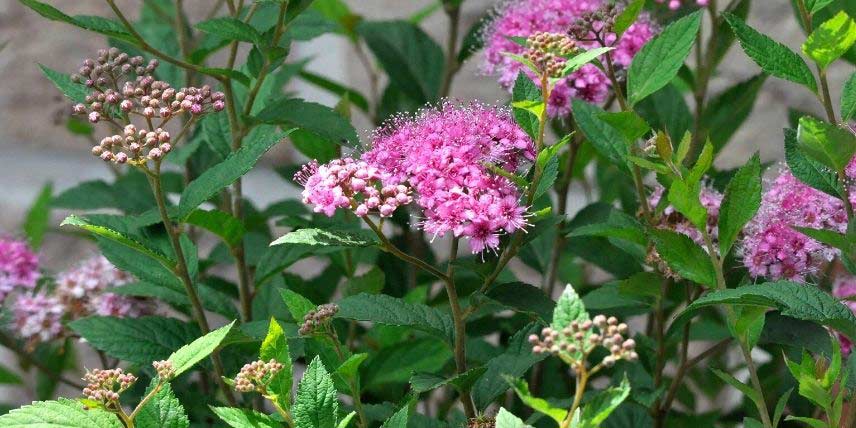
x: 684, y: 256
x: 577, y: 61
x: 628, y: 123
x: 346, y: 420
x: 627, y: 16
x: 188, y: 355
x: 848, y: 98
x: 525, y: 90
x: 298, y: 306
x: 828, y: 144
x: 747, y: 390
x: 117, y: 237
x: 74, y: 91
x: 774, y: 58
x: 318, y: 119
x: 748, y: 323
x: 811, y: 422
x: 388, y: 310
x: 220, y: 223
x: 225, y: 173
x: 538, y: 404
x: 63, y: 413
x: 399, y: 419
x: 780, y: 407
x: 684, y: 196
x: 244, y: 418
x: 660, y: 59
x: 162, y: 411
x: 740, y: 203
x: 597, y: 409
x: 808, y: 170
x: 38, y: 217
x: 505, y: 419
x: 316, y: 404
x: 275, y: 347
x: 831, y: 39
x: 569, y: 308
x: 327, y: 238
x: 350, y: 369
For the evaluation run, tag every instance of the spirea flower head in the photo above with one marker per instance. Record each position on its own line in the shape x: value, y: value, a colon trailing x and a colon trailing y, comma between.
x: 547, y: 51
x: 581, y: 338
x: 124, y: 87
x: 106, y: 385
x: 710, y: 199
x: 19, y: 266
x: 38, y: 318
x: 676, y: 4
x: 773, y: 248
x: 523, y: 18
x: 351, y: 184
x: 317, y: 317
x: 255, y: 376
x: 442, y: 153
x: 85, y: 290
x: 844, y: 288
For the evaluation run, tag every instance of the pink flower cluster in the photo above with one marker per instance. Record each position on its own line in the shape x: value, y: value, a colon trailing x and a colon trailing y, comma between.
x: 442, y: 153
x: 19, y: 266
x: 38, y: 318
x: 522, y: 18
x: 710, y: 199
x: 350, y: 184
x: 773, y: 248
x: 676, y: 4
x: 844, y: 288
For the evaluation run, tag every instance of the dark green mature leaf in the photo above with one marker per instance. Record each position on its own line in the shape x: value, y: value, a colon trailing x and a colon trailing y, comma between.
x: 628, y: 123
x: 667, y: 110
x: 220, y: 223
x: 831, y: 39
x: 215, y: 129
x: 515, y: 361
x: 356, y: 98
x: 36, y: 221
x: 244, y: 418
x: 848, y: 99
x: 525, y: 90
x: 774, y: 58
x: 327, y: 238
x: 422, y: 382
x: 397, y: 363
x: 807, y: 170
x: 63, y: 413
x: 74, y: 91
x: 399, y: 419
x: 383, y: 309
x: 791, y: 299
x: 525, y: 298
x: 88, y: 195
x: 316, y: 405
x: 473, y: 40
x: 162, y: 411
x: 608, y: 142
x: 684, y: 256
x: 298, y: 306
x: 318, y: 119
x: 724, y: 114
x: 828, y: 144
x: 413, y: 61
x: 92, y: 23
x: 231, y: 29
x: 660, y: 59
x: 225, y: 173
x: 747, y: 390
x: 617, y: 225
x: 115, y: 236
x: 188, y: 355
x: 740, y: 203
x: 139, y: 341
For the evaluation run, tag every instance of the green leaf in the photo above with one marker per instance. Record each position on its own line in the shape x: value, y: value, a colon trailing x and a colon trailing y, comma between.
x: 774, y: 58
x: 74, y: 91
x: 139, y: 341
x: 660, y: 59
x: 223, y: 174
x: 684, y: 256
x: 231, y: 29
x: 244, y: 418
x: 617, y: 225
x: 162, y: 411
x: 397, y: 363
x: 828, y: 237
x: 667, y: 110
x: 275, y: 347
x: 356, y: 98
x: 577, y: 61
x: 36, y: 221
x: 569, y: 308
x: 790, y: 298
x: 422, y: 382
x: 812, y: 422
x: 298, y: 306
x: 473, y: 40
x: 514, y: 362
x: 826, y: 143
x: 628, y: 123
x: 505, y: 419
x: 220, y: 223
x: 808, y: 170
x: 740, y: 203
x: 92, y: 23
x: 815, y: 6
x: 117, y: 237
x: 411, y: 59
x: 598, y: 408
x: 684, y: 196
x: 399, y: 419
x: 848, y: 99
x: 742, y: 387
x: 346, y: 420
x: 525, y: 298
x: 627, y: 17
x: 780, y: 407
x: 525, y: 90
x: 388, y: 310
x: 725, y: 113
x: 318, y: 119
x: 831, y: 39
x: 188, y: 355
x: 8, y: 377
x: 327, y: 238
x: 607, y: 141
x: 538, y: 404
x: 350, y: 369
x: 218, y: 135
x: 316, y: 405
x: 62, y: 413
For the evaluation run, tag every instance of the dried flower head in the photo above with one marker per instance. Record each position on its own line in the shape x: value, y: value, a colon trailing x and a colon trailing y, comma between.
x: 19, y: 266
x: 575, y: 342
x: 255, y: 376
x: 318, y: 317
x: 106, y: 385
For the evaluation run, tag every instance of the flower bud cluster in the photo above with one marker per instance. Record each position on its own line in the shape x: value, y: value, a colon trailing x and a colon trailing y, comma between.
x: 105, y: 385
x: 580, y: 338
x: 256, y: 375
x: 164, y: 369
x: 318, y: 317
x: 548, y: 51
x: 595, y: 24
x: 134, y: 145
x: 351, y: 184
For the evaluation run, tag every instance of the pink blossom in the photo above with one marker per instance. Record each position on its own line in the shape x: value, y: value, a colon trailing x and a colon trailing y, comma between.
x: 19, y: 266
x: 676, y: 4
x: 522, y: 18
x: 710, y: 199
x: 117, y: 305
x: 38, y: 318
x: 84, y: 290
x: 844, y: 288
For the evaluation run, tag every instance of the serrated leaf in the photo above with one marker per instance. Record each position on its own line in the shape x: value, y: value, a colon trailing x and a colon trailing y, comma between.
x: 298, y: 306
x: 812, y: 422
x: 514, y: 362
x: 607, y: 141
x: 658, y: 62
x: 831, y: 39
x: 350, y: 369
x: 388, y: 310
x: 780, y: 407
x: 725, y: 113
x: 684, y: 196
x: 115, y: 236
x: 188, y: 355
x: 397, y: 363
x: 598, y: 408
x: 525, y: 90
x: 316, y: 405
x: 231, y: 29
x: 217, y: 133
x: 774, y: 58
x: 316, y: 118
x: 538, y: 404
x: 74, y: 91
x: 422, y: 382
x: 244, y: 418
x: 617, y: 225
x: 808, y: 170
x: 220, y: 223
x: 848, y: 98
x: 740, y: 203
x: 524, y: 298
x: 575, y: 62
x: 399, y: 419
x: 62, y: 413
x: 92, y: 23
x: 327, y: 238
x: 627, y: 17
x: 140, y: 340
x: 356, y: 98
x: 569, y: 308
x: 826, y: 143
x: 162, y: 411
x: 275, y: 347
x: 628, y: 123
x: 684, y: 256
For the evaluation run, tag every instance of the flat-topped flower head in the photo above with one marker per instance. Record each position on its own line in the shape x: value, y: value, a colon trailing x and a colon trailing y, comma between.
x: 444, y: 154
x: 38, y: 318
x: 85, y: 290
x: 256, y: 376
x: 106, y: 385
x: 524, y: 18
x: 19, y: 266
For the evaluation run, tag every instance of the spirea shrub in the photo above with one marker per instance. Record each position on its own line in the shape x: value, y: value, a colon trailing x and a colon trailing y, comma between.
x: 572, y: 256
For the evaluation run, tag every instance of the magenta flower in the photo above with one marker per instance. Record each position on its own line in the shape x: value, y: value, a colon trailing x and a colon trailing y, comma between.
x: 19, y: 266
x: 38, y: 318
x: 519, y: 18
x: 676, y: 4
x: 709, y: 197
x: 844, y: 288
